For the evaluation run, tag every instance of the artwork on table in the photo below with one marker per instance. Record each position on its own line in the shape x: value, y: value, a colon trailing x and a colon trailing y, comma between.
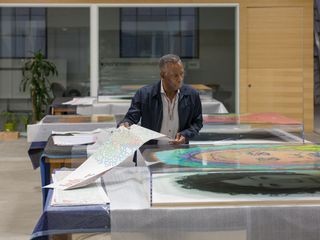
x: 121, y: 144
x: 234, y: 188
x: 250, y: 118
x: 240, y: 157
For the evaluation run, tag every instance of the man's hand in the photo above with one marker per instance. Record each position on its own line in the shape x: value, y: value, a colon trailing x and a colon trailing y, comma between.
x: 125, y: 124
x: 180, y: 139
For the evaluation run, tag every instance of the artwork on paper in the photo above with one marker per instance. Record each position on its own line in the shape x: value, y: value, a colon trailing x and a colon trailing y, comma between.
x: 241, y: 157
x: 250, y: 118
x: 121, y: 144
x: 210, y: 188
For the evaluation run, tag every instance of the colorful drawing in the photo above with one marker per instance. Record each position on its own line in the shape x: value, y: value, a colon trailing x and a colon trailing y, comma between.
x: 121, y: 144
x: 243, y: 157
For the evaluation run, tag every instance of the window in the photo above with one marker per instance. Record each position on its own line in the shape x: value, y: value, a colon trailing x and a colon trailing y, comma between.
x: 22, y: 32
x: 153, y: 32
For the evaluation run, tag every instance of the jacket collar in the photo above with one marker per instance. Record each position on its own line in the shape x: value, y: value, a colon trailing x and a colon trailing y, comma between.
x: 156, y: 91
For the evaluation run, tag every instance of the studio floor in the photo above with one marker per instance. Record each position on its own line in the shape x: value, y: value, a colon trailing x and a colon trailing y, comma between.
x: 20, y: 186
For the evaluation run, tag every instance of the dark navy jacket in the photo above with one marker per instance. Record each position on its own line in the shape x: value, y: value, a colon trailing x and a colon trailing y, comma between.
x: 147, y: 105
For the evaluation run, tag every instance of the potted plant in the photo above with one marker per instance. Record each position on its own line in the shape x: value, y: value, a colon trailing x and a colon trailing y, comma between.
x: 25, y: 120
x: 10, y: 121
x: 35, y: 76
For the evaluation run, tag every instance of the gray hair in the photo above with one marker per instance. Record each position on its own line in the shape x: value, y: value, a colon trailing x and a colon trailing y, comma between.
x: 169, y: 58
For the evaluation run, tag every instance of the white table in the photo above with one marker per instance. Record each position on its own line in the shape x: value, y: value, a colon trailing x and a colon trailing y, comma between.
x: 121, y: 107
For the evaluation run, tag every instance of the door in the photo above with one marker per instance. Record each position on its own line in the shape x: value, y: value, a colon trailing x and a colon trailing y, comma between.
x: 275, y: 60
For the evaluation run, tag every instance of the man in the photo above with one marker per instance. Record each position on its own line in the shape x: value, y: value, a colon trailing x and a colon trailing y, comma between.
x: 168, y: 106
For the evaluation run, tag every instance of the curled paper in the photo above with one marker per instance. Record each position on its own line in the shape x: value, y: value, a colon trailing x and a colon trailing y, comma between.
x: 123, y: 142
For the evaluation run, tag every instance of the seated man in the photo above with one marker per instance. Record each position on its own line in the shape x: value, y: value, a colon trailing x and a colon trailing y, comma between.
x: 168, y: 106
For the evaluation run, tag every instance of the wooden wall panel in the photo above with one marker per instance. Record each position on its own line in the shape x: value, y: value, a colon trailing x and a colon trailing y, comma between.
x: 243, y: 58
x: 275, y: 37
x: 275, y: 60
x: 308, y: 67
x: 281, y: 3
x: 276, y: 90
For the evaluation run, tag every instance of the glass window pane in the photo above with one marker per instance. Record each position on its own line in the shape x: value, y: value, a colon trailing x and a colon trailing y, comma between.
x: 22, y: 47
x: 7, y: 46
x: 150, y: 21
x: 159, y: 11
x: 7, y: 24
x: 68, y: 42
x: 23, y: 27
x: 173, y: 24
x: 188, y: 11
x: 131, y: 40
x: 38, y: 11
x: 173, y: 11
x: 187, y: 46
x: 61, y: 33
x: 187, y: 25
x: 129, y: 48
x: 37, y: 26
x: 22, y: 11
x: 144, y: 11
x: 144, y: 45
x: 129, y: 11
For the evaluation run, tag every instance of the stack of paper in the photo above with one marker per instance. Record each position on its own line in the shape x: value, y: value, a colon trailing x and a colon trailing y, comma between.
x: 91, y: 194
x: 77, y: 139
x: 81, y: 101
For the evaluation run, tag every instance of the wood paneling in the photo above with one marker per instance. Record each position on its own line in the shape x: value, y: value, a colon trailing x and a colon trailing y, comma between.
x: 275, y: 38
x: 275, y: 60
x: 276, y: 90
x: 308, y: 67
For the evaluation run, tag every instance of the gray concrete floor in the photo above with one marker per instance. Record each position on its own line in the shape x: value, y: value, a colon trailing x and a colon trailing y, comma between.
x: 20, y: 191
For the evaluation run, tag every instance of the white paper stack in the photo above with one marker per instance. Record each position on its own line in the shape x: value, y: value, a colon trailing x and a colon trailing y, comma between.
x: 89, y: 195
x: 81, y: 101
x: 77, y: 139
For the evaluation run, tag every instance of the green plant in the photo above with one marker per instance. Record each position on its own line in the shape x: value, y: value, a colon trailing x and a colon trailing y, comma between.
x: 10, y: 121
x: 36, y: 72
x: 25, y: 118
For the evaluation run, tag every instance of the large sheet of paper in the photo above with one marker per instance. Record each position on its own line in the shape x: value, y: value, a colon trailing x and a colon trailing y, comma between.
x: 93, y: 194
x: 122, y: 143
x: 212, y: 188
